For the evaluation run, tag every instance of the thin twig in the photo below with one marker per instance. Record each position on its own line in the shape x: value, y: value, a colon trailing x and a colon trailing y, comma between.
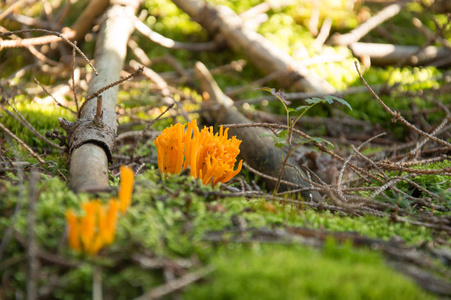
x: 22, y: 143
x: 8, y: 232
x: 97, y: 283
x: 34, y: 51
x: 33, y: 262
x: 346, y: 162
x: 397, y: 116
x: 394, y: 166
x: 132, y: 155
x: 26, y: 124
x: 98, y: 92
x: 171, y: 44
x: 5, y: 44
x: 176, y: 284
x: 267, y: 176
x: 356, y: 169
x: 74, y: 87
x: 54, y: 99
x: 12, y: 8
x: 366, y: 158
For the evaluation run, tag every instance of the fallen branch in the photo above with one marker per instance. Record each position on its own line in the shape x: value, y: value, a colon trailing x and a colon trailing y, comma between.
x: 388, y: 54
x: 84, y: 22
x: 256, y: 149
x: 176, y: 284
x: 259, y: 50
x: 356, y: 34
x: 54, y: 37
x: 91, y: 143
x: 171, y: 44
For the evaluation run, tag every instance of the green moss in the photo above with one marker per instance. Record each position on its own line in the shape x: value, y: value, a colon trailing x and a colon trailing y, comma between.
x: 295, y: 272
x: 170, y: 216
x: 42, y: 117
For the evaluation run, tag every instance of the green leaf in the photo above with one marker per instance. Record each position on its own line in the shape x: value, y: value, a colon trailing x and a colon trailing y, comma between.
x: 320, y: 140
x: 279, y: 141
x: 283, y: 134
x: 299, y: 108
x: 280, y: 145
x: 314, y: 100
x: 342, y: 101
x: 328, y: 99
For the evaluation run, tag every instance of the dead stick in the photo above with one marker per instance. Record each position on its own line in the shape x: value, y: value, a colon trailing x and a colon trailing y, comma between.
x: 388, y: 54
x: 22, y: 143
x: 99, y: 113
x: 74, y: 87
x: 356, y: 34
x: 33, y: 262
x: 89, y: 162
x: 19, y: 118
x: 171, y: 44
x: 397, y: 116
x: 11, y: 8
x: 46, y: 40
x: 259, y: 50
x: 51, y: 96
x: 176, y: 284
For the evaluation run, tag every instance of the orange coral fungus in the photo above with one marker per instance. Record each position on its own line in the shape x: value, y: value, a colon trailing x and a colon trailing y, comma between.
x: 125, y: 188
x: 210, y: 157
x: 95, y: 229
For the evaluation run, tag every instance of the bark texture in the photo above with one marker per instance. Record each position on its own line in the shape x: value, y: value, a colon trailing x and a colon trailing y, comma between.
x: 261, y: 52
x: 91, y: 141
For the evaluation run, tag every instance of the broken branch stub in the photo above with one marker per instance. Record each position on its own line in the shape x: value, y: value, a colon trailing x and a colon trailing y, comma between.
x: 260, y: 51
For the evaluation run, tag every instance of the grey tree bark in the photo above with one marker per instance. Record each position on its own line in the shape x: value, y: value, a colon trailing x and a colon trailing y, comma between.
x: 91, y: 141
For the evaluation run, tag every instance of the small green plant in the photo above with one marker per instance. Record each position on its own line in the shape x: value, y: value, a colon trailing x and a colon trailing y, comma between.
x: 285, y: 137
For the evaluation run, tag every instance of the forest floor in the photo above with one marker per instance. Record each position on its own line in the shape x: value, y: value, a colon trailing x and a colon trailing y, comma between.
x: 374, y: 152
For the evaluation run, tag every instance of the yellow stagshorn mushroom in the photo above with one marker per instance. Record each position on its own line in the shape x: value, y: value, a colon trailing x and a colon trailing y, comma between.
x: 97, y: 226
x: 95, y: 229
x: 211, y: 157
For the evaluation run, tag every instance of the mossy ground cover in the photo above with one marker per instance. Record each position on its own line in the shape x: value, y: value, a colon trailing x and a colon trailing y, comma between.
x: 171, y: 217
x: 292, y: 272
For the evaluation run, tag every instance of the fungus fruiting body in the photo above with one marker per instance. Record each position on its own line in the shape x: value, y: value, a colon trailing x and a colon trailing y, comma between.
x: 210, y: 157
